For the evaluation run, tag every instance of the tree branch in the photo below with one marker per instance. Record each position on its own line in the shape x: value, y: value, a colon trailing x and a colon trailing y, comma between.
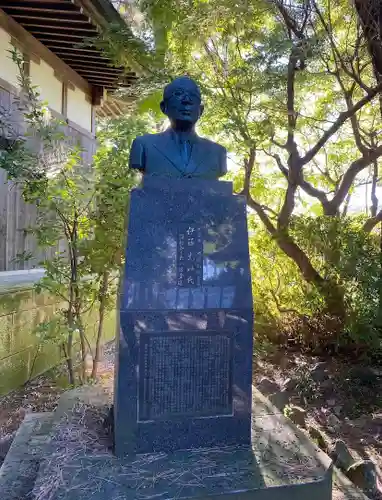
x: 355, y: 168
x: 345, y: 115
x: 248, y: 168
x: 337, y: 55
x: 372, y: 222
x: 261, y: 213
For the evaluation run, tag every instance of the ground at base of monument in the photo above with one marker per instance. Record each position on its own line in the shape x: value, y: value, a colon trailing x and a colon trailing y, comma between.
x: 77, y: 463
x: 227, y: 472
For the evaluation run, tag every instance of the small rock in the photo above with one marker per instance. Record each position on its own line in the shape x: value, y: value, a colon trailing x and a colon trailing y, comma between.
x: 267, y: 386
x: 318, y: 437
x: 364, y: 475
x: 338, y: 410
x: 363, y: 374
x: 297, y: 415
x: 279, y: 399
x: 319, y: 372
x: 290, y: 384
x: 327, y: 385
x: 341, y: 455
x: 333, y: 421
x: 377, y: 372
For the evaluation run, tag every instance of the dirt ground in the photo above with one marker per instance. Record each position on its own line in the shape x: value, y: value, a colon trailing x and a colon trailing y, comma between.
x: 355, y: 401
x: 43, y: 393
x: 349, y: 394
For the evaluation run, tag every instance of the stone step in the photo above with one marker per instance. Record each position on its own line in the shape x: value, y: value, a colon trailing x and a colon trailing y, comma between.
x: 344, y: 489
x: 282, y: 463
x: 20, y: 467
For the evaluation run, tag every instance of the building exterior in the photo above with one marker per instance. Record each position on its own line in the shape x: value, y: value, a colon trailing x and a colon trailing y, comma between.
x: 75, y: 81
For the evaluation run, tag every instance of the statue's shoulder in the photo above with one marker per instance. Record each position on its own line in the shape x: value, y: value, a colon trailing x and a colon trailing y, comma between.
x: 148, y: 139
x: 218, y: 148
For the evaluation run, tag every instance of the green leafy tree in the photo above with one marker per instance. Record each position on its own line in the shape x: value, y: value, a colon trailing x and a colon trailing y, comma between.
x: 104, y: 253
x: 291, y: 91
x: 80, y: 208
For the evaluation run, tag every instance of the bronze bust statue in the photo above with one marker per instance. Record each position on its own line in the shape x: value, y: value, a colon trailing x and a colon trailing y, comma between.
x: 179, y: 151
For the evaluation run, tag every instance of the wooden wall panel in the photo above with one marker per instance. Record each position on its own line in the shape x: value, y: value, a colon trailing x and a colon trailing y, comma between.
x: 15, y: 215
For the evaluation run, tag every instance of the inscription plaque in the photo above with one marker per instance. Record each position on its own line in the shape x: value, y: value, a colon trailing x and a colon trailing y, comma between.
x: 185, y: 374
x: 190, y: 256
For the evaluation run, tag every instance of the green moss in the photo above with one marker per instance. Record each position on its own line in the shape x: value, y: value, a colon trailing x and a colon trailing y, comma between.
x: 14, y: 371
x: 6, y: 329
x: 20, y: 312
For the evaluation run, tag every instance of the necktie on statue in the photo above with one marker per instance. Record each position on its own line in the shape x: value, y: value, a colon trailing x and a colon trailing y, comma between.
x: 185, y: 152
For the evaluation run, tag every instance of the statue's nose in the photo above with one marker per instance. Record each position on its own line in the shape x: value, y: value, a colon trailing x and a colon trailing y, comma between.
x: 186, y: 99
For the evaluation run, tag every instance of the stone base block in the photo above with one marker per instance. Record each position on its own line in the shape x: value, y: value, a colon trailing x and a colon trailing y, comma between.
x: 19, y: 471
x: 229, y: 472
x: 76, y: 463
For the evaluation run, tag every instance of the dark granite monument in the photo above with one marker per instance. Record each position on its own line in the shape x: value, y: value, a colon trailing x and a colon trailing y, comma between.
x: 185, y: 417
x: 185, y: 351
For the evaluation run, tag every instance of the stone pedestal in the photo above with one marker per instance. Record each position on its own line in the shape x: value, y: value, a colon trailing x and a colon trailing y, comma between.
x: 184, y: 370
x: 187, y: 424
x: 67, y: 456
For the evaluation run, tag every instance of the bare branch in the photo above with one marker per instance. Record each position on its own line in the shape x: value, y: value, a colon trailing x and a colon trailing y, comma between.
x: 282, y: 167
x: 345, y: 115
x: 289, y: 21
x: 337, y: 54
x: 288, y: 205
x: 278, y: 144
x: 355, y: 168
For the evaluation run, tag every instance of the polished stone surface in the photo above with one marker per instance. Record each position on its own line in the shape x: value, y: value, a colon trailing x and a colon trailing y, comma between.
x: 186, y: 327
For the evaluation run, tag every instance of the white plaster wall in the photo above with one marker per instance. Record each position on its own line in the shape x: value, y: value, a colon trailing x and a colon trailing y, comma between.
x: 8, y: 69
x: 49, y: 86
x: 79, y: 109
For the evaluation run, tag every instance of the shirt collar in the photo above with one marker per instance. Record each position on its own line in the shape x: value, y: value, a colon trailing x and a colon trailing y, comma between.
x: 185, y: 136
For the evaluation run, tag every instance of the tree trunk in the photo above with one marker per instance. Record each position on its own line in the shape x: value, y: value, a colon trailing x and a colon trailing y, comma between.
x: 369, y: 15
x: 374, y: 198
x: 332, y: 292
x: 69, y: 347
x: 101, y: 318
x: 379, y: 313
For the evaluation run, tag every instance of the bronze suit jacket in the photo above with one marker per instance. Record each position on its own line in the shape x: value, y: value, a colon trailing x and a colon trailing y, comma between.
x: 159, y: 155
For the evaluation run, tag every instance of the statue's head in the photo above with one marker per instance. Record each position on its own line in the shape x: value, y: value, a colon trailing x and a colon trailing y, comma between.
x: 182, y: 102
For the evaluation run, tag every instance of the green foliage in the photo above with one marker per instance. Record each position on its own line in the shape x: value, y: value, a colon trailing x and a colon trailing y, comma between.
x: 346, y: 254
x: 79, y: 210
x: 29, y: 155
x: 113, y: 183
x: 276, y: 79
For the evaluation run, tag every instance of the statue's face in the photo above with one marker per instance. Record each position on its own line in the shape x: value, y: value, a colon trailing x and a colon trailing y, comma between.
x: 183, y: 105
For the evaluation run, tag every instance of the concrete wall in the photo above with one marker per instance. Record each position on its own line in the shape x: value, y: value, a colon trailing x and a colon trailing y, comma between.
x: 21, y: 310
x: 79, y: 109
x: 8, y: 69
x: 49, y: 86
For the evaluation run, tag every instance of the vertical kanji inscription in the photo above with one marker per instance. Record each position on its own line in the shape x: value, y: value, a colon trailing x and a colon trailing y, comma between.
x: 190, y: 256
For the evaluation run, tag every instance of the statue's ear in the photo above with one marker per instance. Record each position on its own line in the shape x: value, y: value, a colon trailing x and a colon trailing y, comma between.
x: 163, y: 107
x: 201, y: 110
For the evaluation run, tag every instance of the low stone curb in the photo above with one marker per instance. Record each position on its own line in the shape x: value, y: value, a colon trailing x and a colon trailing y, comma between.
x: 20, y: 467
x: 344, y: 489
